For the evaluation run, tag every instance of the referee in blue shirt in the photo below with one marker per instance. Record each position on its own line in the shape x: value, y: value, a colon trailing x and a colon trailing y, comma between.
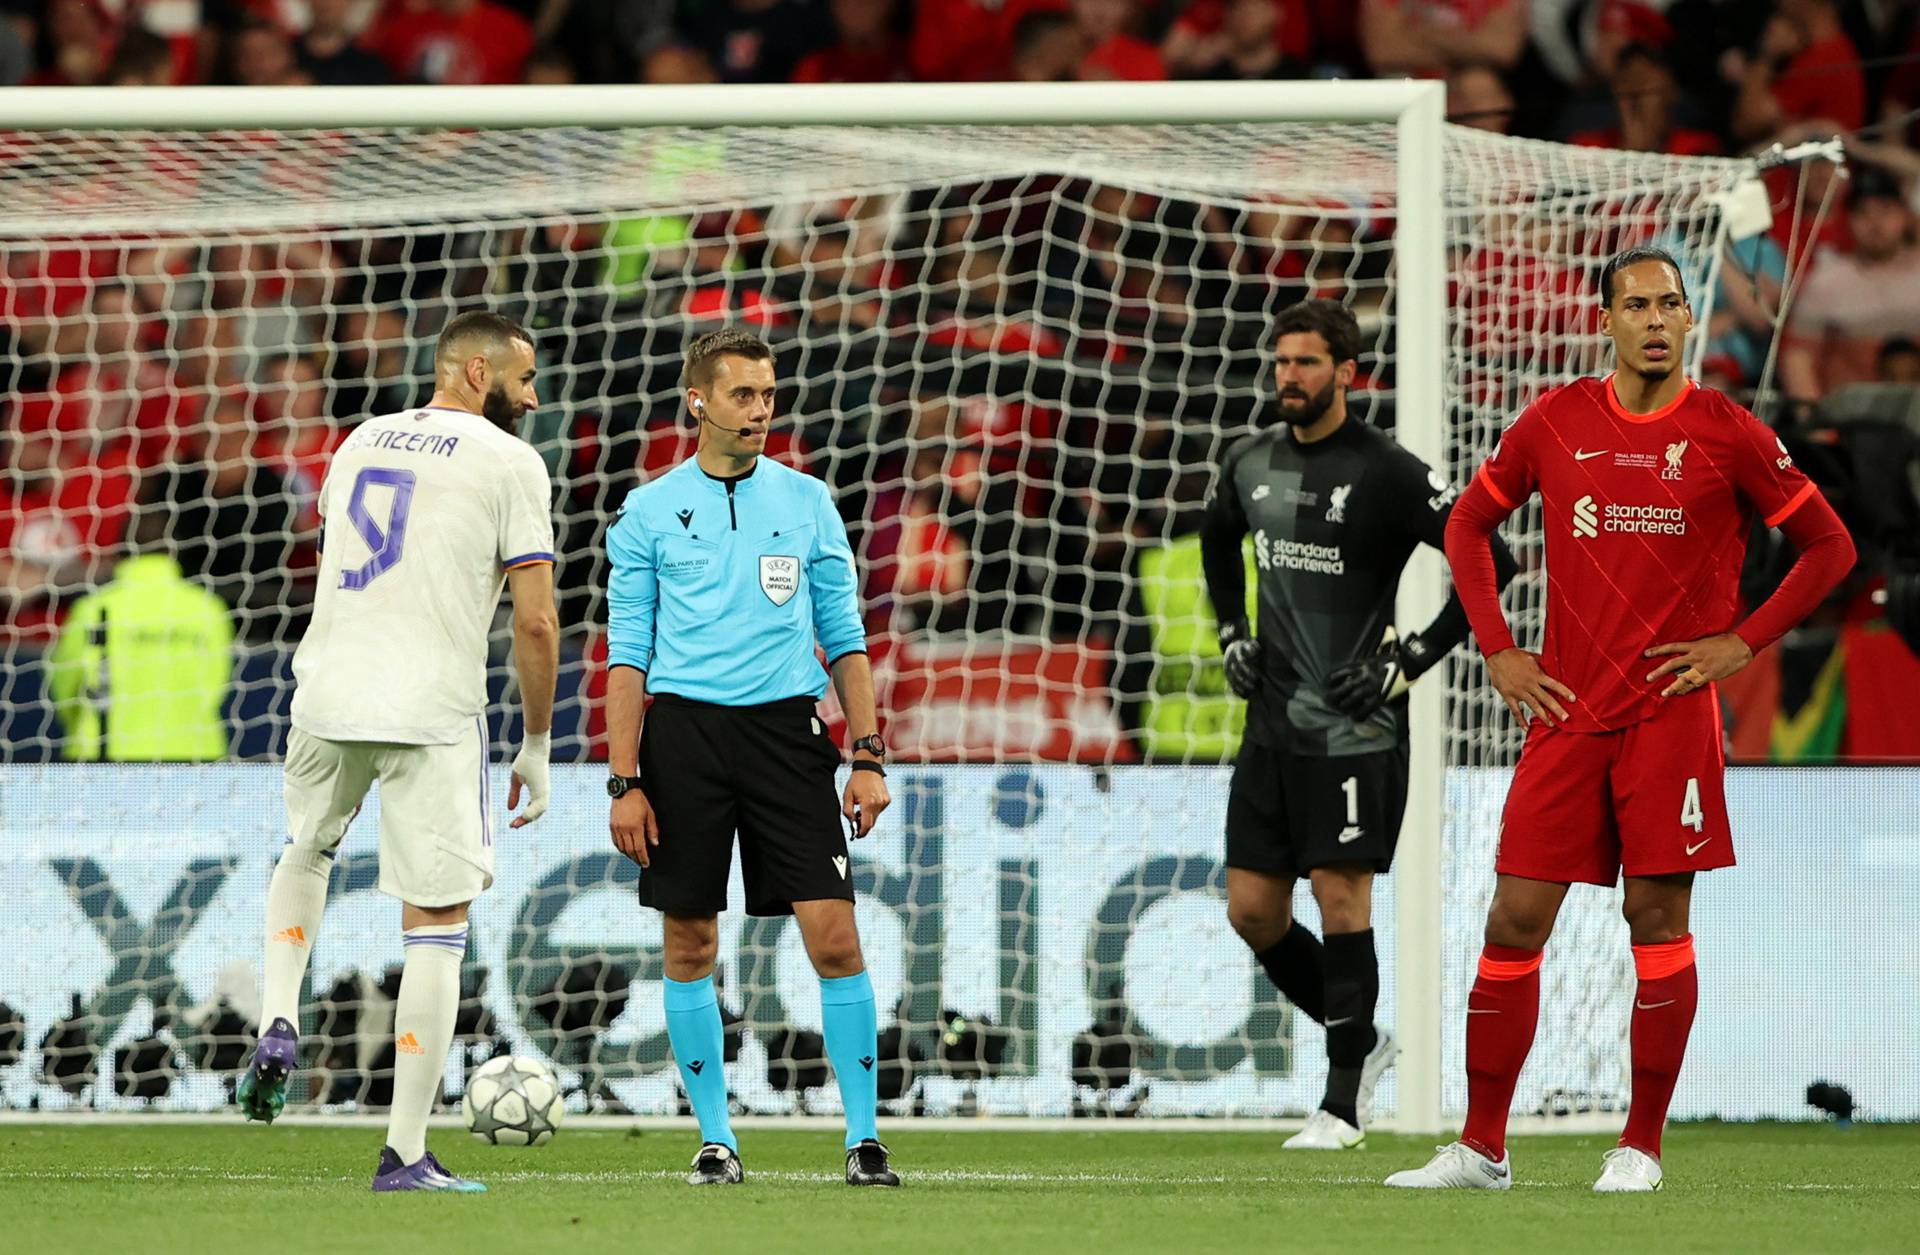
x: 726, y: 570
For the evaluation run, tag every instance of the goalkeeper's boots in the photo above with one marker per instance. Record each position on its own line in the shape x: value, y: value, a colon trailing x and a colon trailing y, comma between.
x: 262, y: 1091
x: 1326, y: 1131
x: 1372, y: 1068
x: 392, y: 1176
x: 1457, y: 1167
x: 716, y: 1164
x: 1629, y: 1171
x: 867, y: 1164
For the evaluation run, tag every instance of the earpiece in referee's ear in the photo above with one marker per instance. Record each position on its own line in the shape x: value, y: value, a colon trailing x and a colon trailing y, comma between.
x: 699, y: 407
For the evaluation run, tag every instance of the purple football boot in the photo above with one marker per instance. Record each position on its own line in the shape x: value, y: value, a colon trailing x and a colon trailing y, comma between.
x: 262, y: 1091
x: 425, y: 1174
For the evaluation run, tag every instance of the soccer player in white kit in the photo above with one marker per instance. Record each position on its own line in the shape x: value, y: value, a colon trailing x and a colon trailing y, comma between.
x: 428, y: 513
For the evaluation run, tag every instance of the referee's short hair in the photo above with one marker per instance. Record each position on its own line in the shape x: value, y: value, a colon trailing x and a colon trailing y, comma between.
x: 1330, y: 320
x: 484, y: 330
x: 697, y: 367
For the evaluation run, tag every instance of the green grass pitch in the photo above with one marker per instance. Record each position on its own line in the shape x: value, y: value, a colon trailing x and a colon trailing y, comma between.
x: 211, y: 1189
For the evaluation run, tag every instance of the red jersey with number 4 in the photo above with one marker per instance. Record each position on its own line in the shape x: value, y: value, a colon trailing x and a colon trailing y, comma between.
x: 1647, y: 518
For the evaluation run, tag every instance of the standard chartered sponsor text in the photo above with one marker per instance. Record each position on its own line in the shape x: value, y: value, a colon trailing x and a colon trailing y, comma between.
x: 1297, y: 555
x: 1661, y: 520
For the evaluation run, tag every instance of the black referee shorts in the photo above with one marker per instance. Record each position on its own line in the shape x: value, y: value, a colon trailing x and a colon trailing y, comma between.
x: 765, y: 772
x: 1289, y: 813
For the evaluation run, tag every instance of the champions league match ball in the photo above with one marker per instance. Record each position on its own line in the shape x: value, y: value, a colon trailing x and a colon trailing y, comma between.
x: 513, y: 1101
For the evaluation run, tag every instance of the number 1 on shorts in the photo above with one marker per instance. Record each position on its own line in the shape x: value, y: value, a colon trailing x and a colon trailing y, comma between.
x: 1351, y: 787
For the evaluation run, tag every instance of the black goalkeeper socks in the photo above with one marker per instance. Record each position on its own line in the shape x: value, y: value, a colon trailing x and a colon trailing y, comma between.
x: 1353, y: 990
x: 1294, y: 965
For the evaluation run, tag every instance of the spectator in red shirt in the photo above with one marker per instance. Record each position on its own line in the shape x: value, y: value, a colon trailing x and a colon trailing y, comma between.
x: 1113, y: 52
x: 63, y: 506
x: 868, y: 49
x: 1427, y: 38
x: 968, y: 41
x: 1644, y: 95
x: 1239, y: 39
x: 454, y: 41
x: 1805, y: 68
x: 40, y: 285
x: 297, y: 435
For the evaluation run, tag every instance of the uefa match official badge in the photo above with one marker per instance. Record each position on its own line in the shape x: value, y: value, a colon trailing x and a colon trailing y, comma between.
x: 779, y: 578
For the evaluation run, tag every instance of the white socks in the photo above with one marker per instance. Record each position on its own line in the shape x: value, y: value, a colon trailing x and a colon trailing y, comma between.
x: 295, y: 900
x: 423, y: 1031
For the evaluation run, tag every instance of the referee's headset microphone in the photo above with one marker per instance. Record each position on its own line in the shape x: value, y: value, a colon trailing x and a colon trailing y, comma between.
x: 700, y: 412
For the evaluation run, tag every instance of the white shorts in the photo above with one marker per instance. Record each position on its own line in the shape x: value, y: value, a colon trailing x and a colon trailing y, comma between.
x: 436, y: 821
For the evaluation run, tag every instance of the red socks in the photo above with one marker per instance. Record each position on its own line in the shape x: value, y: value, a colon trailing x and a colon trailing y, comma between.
x: 1662, y: 1018
x: 1501, y: 1013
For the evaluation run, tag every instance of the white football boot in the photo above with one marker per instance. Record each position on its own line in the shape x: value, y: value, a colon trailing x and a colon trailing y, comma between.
x: 1629, y: 1171
x: 1372, y: 1068
x: 1457, y: 1167
x: 1326, y: 1131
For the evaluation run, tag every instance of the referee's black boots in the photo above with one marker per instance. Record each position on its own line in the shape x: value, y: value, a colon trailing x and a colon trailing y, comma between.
x: 716, y: 1164
x: 867, y: 1165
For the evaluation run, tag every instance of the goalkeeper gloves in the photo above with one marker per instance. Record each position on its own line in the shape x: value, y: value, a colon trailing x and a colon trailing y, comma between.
x: 530, y: 769
x: 1359, y: 689
x: 1242, y: 653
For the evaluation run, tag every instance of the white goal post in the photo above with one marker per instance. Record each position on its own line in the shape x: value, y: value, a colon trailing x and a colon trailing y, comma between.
x: 1446, y: 232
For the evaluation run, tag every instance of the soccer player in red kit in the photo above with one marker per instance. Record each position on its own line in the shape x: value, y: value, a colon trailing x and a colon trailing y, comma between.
x: 1650, y: 485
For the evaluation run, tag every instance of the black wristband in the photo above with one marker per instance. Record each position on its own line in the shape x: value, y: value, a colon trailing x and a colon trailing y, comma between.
x: 1417, y: 657
x: 867, y: 764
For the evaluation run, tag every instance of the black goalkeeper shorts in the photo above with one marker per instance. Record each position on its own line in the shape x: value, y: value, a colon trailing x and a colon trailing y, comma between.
x: 1289, y: 813
x: 766, y: 772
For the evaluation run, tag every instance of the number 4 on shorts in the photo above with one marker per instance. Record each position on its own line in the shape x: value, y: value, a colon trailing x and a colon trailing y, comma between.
x: 1691, y: 816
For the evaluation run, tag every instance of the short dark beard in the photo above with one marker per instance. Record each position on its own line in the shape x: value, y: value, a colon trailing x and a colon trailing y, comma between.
x: 501, y: 410
x: 1314, y: 410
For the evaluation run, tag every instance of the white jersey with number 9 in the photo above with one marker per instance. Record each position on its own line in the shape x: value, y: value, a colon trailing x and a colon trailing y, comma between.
x: 425, y: 512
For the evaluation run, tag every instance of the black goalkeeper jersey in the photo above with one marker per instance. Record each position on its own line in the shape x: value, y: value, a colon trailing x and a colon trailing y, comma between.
x: 1333, y: 523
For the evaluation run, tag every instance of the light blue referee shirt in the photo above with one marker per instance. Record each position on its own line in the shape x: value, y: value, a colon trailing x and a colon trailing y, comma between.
x: 721, y: 586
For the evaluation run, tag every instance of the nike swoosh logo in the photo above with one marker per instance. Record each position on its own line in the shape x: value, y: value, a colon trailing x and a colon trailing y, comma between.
x: 1653, y: 1006
x: 1692, y: 848
x: 1581, y: 455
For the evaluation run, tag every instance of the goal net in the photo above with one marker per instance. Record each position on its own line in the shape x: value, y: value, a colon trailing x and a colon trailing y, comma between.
x: 1014, y: 352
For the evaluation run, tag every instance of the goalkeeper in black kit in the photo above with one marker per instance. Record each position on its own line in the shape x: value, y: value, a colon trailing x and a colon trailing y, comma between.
x: 1335, y: 508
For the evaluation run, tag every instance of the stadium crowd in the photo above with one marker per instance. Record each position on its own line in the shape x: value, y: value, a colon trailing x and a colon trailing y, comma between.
x: 181, y: 397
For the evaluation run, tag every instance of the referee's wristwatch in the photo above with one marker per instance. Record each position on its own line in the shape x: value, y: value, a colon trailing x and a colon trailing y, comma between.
x: 873, y: 745
x: 618, y: 786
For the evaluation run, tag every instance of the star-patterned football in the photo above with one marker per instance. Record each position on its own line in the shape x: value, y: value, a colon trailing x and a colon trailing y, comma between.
x: 513, y: 1102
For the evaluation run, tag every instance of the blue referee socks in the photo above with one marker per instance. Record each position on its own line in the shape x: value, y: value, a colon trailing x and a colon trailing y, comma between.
x: 852, y: 1033
x: 693, y: 1026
